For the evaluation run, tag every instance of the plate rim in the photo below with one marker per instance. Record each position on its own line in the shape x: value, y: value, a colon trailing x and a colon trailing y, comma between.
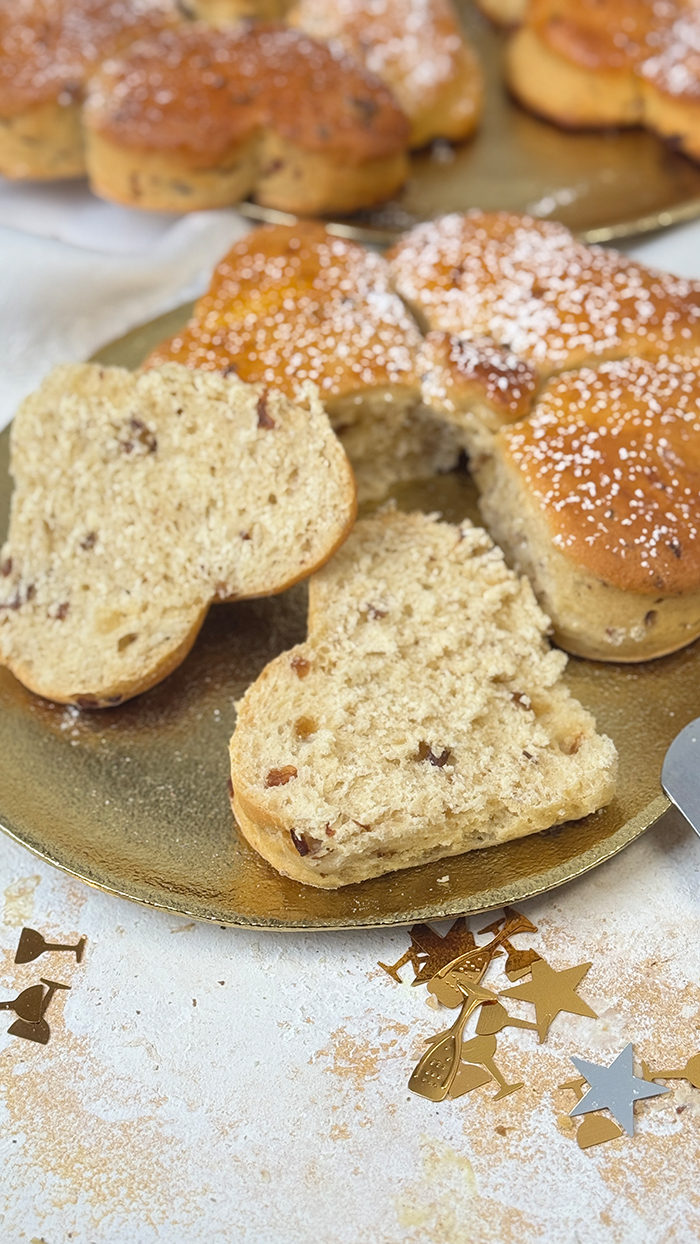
x: 505, y: 895
x: 535, y: 884
x: 625, y: 230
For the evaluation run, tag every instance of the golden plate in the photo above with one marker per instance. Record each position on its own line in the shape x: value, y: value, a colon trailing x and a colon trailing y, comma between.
x: 601, y: 184
x: 134, y: 799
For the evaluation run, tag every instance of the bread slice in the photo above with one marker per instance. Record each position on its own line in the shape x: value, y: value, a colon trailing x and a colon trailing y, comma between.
x: 139, y: 500
x: 424, y: 716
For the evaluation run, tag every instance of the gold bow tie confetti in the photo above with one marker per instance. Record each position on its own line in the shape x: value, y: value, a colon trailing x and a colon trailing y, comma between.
x: 453, y: 968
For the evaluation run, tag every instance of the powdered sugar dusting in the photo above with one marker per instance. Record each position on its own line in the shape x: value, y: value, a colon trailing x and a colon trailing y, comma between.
x: 675, y: 67
x: 293, y: 304
x: 455, y: 367
x: 416, y: 43
x: 531, y: 287
x: 199, y: 89
x: 613, y: 456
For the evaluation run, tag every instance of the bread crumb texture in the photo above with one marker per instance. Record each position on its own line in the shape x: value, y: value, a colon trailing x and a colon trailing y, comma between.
x: 425, y: 715
x: 141, y: 498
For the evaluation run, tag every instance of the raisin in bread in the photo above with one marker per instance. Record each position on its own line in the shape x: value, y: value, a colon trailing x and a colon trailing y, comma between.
x: 425, y: 715
x: 139, y: 500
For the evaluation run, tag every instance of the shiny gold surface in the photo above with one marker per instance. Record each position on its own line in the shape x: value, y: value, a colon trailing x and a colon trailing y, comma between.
x: 602, y: 185
x: 134, y: 799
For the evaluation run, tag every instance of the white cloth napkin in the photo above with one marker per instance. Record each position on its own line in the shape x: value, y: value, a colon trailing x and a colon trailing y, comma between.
x: 76, y: 272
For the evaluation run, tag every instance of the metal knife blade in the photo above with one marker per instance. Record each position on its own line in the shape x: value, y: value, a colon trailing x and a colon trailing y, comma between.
x: 680, y: 775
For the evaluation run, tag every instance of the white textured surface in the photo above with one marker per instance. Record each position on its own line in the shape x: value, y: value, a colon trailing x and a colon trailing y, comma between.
x: 275, y: 1110
x: 76, y: 273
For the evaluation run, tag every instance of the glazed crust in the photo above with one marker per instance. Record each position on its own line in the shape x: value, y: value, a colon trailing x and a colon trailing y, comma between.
x: 531, y: 287
x: 266, y: 108
x: 235, y: 82
x: 461, y: 380
x: 613, y: 458
x: 598, y: 37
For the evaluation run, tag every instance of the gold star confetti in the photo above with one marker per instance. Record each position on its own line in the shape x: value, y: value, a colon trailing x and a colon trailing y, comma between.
x: 551, y: 992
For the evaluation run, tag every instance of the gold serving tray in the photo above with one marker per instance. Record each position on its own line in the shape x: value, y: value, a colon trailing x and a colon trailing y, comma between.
x: 134, y: 799
x: 601, y: 184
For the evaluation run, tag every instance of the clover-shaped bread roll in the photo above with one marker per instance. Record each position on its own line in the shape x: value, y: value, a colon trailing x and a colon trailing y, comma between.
x: 199, y: 118
x: 425, y: 715
x: 596, y: 498
x: 142, y: 498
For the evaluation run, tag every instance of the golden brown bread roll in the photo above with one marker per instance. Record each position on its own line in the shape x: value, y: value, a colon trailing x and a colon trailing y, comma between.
x: 289, y: 304
x: 199, y: 117
x: 615, y: 62
x: 417, y: 48
x: 597, y: 499
x: 48, y: 49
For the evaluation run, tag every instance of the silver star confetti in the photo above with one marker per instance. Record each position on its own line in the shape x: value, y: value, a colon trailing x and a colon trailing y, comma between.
x: 614, y: 1088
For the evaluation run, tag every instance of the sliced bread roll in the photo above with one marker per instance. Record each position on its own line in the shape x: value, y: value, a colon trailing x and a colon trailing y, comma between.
x: 139, y: 500
x: 424, y: 716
